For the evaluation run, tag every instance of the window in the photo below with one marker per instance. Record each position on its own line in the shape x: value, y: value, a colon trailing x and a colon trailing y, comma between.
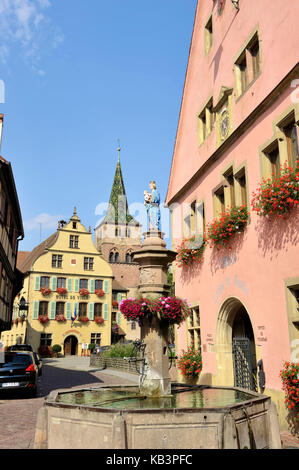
x: 74, y: 225
x: 61, y: 282
x: 98, y: 284
x: 219, y: 201
x: 82, y: 310
x: 129, y: 257
x: 247, y: 66
x: 194, y: 335
x: 88, y: 264
x: 95, y: 338
x: 208, y: 35
x: 205, y: 122
x: 113, y: 317
x: 43, y: 308
x: 45, y: 339
x: 133, y: 325
x: 83, y: 284
x: 59, y: 308
x: 98, y: 310
x: 114, y: 256
x: 128, y: 233
x: 240, y: 178
x: 56, y: 261
x: 274, y: 160
x: 291, y: 133
x: 231, y: 185
x: 74, y: 241
x: 45, y: 282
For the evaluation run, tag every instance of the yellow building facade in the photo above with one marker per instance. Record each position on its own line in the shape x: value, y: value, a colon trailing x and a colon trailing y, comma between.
x: 67, y: 294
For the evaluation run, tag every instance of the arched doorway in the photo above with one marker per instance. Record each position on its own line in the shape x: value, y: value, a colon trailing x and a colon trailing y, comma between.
x: 235, y: 346
x: 71, y: 346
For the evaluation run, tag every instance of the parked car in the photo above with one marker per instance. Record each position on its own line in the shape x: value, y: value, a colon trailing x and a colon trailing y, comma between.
x: 19, y: 372
x: 28, y: 347
x: 20, y: 347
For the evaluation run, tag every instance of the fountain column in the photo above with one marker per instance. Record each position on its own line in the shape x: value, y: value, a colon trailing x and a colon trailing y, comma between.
x: 154, y: 259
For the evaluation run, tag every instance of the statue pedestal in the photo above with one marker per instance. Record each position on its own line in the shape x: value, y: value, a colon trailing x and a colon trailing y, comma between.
x: 156, y: 380
x: 154, y: 259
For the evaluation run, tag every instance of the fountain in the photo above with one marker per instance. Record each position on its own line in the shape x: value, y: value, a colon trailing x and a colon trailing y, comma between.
x: 157, y: 414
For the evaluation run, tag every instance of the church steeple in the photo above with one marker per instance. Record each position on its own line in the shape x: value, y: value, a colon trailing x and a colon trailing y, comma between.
x: 118, y: 210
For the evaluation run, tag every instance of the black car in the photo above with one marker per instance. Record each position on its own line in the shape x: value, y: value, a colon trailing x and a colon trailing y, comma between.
x: 20, y: 347
x: 28, y: 347
x: 18, y: 372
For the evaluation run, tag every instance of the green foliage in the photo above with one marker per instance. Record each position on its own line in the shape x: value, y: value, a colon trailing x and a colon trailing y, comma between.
x: 56, y: 348
x: 91, y: 347
x: 120, y: 350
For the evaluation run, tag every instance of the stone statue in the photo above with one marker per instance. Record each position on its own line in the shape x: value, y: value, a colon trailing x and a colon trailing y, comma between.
x: 152, y: 204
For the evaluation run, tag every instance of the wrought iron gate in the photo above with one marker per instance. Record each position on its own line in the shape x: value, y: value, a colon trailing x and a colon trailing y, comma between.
x: 244, y: 374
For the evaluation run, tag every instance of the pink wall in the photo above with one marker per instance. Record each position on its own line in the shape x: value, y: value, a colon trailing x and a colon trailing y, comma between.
x: 279, y: 33
x: 267, y: 253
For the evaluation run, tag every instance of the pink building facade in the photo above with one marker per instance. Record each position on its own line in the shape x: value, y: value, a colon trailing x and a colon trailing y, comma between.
x: 238, y: 123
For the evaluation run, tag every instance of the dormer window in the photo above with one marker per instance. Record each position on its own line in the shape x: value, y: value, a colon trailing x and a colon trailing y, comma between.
x: 74, y: 225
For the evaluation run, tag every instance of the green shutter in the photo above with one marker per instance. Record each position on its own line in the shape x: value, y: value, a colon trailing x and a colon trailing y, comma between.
x: 69, y: 284
x: 118, y: 318
x: 119, y: 297
x: 54, y: 283
x: 91, y: 286
x: 35, y: 310
x: 37, y: 283
x: 91, y: 311
x: 106, y: 286
x: 77, y: 284
x: 76, y: 306
x: 52, y: 310
x: 68, y: 311
x: 106, y: 311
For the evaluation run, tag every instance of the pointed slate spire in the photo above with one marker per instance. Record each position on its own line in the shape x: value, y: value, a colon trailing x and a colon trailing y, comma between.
x: 118, y: 210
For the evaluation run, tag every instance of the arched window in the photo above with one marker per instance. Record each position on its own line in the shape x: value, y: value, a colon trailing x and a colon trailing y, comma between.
x: 114, y: 256
x: 129, y: 257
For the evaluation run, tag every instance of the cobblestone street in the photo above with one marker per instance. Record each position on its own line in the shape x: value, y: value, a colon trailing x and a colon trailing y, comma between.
x: 18, y: 413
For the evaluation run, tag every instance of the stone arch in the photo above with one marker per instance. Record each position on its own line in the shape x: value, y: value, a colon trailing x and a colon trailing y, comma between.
x: 227, y: 325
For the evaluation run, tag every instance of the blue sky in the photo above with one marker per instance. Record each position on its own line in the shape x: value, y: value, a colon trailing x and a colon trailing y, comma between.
x: 78, y: 75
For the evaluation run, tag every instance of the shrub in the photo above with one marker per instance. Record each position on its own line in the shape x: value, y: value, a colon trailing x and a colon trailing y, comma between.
x: 91, y: 347
x: 45, y: 351
x: 190, y: 363
x: 56, y: 348
x: 290, y: 385
x: 120, y: 350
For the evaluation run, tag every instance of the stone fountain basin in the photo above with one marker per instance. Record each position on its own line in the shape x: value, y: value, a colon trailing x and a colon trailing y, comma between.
x: 67, y: 422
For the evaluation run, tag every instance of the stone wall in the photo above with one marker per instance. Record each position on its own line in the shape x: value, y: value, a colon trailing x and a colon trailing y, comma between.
x: 126, y: 366
x: 114, y: 363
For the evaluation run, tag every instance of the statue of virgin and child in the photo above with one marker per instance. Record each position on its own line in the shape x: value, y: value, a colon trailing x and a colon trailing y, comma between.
x: 152, y: 205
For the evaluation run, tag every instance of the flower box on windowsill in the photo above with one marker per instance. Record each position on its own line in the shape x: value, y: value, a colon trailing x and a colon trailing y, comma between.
x: 83, y: 319
x: 279, y: 195
x: 45, y: 291
x: 84, y: 292
x: 115, y: 304
x: 43, y: 319
x: 60, y: 318
x: 99, y: 292
x: 61, y: 290
x: 99, y: 320
x: 232, y: 221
